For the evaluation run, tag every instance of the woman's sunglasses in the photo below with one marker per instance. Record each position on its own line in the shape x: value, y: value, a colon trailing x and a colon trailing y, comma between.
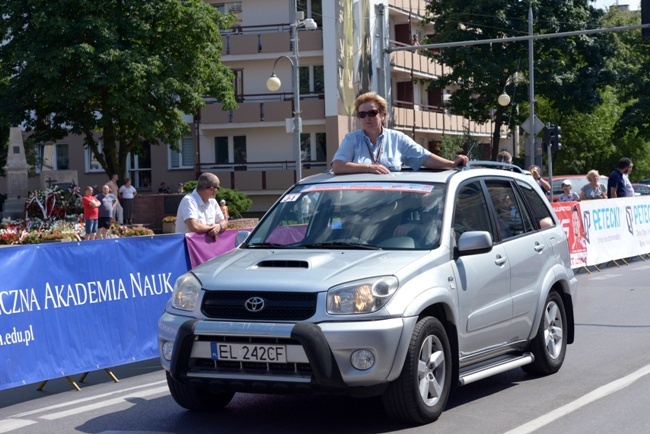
x: 371, y: 113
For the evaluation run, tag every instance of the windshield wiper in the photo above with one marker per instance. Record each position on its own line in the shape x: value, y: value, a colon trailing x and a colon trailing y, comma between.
x: 267, y: 246
x: 342, y: 245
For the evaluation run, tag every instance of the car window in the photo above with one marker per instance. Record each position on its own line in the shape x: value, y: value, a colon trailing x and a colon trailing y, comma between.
x: 512, y: 219
x: 537, y: 206
x: 471, y: 212
x: 361, y: 215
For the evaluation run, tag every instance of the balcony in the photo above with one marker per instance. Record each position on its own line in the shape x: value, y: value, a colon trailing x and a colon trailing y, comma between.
x: 275, y: 38
x: 417, y: 63
x: 409, y: 116
x: 267, y: 110
x: 416, y: 7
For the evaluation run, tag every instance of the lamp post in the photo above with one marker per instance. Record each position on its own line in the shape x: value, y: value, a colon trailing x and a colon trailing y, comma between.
x: 504, y: 99
x: 273, y: 83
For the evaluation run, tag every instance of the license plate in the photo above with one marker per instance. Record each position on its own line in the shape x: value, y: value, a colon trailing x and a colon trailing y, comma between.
x: 249, y: 352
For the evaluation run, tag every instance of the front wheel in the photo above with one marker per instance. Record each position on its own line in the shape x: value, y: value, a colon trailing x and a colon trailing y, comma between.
x: 420, y: 393
x: 549, y: 345
x: 195, y: 398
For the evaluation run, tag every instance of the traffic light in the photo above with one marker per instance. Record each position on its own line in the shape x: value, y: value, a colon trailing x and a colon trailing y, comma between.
x: 546, y: 141
x: 555, y: 138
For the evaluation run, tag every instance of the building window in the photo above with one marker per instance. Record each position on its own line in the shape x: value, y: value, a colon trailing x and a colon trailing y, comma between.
x: 221, y: 155
x: 238, y: 84
x: 183, y: 159
x: 92, y: 165
x: 53, y: 157
x: 311, y: 79
x: 313, y: 147
x: 239, y: 148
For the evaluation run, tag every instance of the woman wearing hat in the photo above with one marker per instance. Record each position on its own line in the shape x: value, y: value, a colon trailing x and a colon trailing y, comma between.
x: 224, y: 209
x: 567, y: 195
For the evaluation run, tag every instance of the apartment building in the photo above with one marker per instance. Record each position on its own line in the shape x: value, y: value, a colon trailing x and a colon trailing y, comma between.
x: 252, y: 148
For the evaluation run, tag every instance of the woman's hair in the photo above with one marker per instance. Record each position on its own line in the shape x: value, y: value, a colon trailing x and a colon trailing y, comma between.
x: 504, y: 157
x: 593, y: 173
x: 382, y: 105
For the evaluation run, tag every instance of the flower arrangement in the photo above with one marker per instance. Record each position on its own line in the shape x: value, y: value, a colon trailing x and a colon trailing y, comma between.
x: 53, y: 204
x: 136, y: 231
x: 169, y: 219
x: 8, y: 237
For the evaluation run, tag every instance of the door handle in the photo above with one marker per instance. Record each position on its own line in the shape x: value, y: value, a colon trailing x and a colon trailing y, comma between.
x: 500, y: 260
x: 538, y: 247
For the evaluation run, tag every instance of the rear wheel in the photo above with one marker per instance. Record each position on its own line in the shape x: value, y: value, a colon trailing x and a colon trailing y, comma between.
x: 196, y: 398
x: 420, y: 393
x: 549, y: 345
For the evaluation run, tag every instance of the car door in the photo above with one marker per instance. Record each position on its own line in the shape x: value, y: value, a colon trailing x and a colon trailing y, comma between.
x: 484, y: 303
x: 527, y: 249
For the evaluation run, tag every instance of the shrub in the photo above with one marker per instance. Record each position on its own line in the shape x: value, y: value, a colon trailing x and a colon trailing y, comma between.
x: 237, y: 201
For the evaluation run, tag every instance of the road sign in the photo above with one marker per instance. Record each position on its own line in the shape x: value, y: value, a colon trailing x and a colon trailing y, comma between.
x: 538, y: 125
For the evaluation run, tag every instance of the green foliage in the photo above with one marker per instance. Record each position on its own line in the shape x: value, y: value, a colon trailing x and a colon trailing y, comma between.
x: 122, y: 71
x: 568, y: 71
x: 189, y: 186
x: 237, y: 201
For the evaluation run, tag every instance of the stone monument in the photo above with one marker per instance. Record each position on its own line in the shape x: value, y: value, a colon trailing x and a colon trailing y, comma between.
x: 16, y: 174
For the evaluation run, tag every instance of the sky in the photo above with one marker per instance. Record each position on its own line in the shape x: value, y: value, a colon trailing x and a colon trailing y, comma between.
x: 633, y: 4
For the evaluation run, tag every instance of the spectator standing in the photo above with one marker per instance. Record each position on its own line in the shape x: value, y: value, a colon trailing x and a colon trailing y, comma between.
x: 568, y: 195
x: 593, y: 190
x: 616, y: 183
x: 179, y: 188
x: 629, y: 190
x: 504, y: 157
x: 224, y: 209
x: 199, y: 211
x: 91, y: 212
x: 375, y: 149
x: 127, y: 196
x: 537, y: 174
x: 114, y: 190
x: 163, y: 188
x: 415, y: 41
x: 106, y: 210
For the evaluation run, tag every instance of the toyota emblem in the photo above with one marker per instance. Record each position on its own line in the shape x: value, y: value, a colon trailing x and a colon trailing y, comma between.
x: 255, y: 304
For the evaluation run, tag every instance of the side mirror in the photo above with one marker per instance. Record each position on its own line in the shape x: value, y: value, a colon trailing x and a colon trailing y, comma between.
x: 241, y: 237
x: 474, y: 243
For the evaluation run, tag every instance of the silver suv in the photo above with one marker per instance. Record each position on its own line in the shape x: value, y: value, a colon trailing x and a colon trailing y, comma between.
x: 401, y: 285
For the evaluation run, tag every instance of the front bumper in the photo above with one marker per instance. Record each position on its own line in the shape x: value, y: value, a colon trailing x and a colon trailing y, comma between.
x: 318, y: 355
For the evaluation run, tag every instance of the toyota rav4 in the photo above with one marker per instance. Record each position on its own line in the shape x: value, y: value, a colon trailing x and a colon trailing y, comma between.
x: 401, y: 285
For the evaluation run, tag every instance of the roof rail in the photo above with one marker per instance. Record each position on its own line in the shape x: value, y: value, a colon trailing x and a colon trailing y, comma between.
x: 494, y: 165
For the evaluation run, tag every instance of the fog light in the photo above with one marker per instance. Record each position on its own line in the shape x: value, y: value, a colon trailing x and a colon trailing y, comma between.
x: 167, y: 349
x: 362, y: 359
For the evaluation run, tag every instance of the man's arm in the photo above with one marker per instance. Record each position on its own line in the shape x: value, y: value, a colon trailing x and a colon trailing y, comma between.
x: 612, y: 192
x: 340, y: 167
x: 437, y: 162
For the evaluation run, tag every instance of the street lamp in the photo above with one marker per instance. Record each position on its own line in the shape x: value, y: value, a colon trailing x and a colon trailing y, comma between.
x: 273, y: 83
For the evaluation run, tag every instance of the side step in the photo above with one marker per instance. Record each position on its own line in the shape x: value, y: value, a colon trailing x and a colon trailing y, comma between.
x: 495, y: 367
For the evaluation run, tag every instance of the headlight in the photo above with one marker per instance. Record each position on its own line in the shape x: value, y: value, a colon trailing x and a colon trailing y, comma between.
x: 362, y: 296
x: 186, y: 292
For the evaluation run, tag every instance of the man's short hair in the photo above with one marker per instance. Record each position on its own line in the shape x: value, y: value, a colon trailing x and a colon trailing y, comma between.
x: 624, y: 163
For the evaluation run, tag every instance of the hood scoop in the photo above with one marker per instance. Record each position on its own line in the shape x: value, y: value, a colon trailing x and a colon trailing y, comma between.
x: 275, y: 263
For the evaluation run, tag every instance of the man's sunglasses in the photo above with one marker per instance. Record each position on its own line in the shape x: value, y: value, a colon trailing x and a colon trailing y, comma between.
x: 371, y: 113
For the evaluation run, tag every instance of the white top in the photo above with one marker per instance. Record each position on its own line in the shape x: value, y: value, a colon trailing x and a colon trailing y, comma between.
x: 128, y: 192
x: 193, y: 207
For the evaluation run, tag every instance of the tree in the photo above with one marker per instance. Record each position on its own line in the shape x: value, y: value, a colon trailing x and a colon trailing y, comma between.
x: 568, y: 71
x: 120, y: 74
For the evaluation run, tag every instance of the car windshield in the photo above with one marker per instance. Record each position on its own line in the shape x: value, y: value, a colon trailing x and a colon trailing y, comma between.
x: 361, y: 215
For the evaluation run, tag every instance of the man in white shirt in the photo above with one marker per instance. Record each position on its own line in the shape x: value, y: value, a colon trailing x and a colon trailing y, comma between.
x: 199, y: 211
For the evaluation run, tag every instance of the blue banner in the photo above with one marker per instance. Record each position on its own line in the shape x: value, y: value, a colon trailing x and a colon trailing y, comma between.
x: 69, y: 308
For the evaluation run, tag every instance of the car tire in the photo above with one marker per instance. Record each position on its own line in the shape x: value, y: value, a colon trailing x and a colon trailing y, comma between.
x: 196, y: 398
x: 549, y: 345
x: 420, y: 393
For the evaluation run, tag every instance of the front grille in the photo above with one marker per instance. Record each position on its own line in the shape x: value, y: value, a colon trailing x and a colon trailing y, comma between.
x: 285, y: 306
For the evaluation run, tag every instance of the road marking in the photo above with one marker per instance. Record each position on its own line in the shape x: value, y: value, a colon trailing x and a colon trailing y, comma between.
x: 597, y: 394
x: 7, y: 425
x: 107, y: 403
x: 90, y: 398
